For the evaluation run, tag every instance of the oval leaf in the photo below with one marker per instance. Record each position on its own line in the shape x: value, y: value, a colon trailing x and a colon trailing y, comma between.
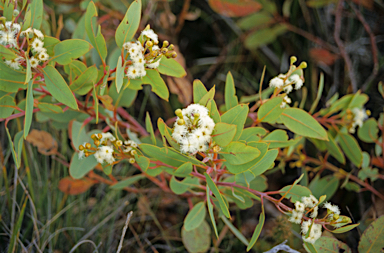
x: 301, y: 123
x: 67, y: 50
x: 195, y: 216
x: 373, y: 237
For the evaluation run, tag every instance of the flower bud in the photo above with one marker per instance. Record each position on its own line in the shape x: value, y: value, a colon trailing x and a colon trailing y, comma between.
x: 293, y: 59
x: 133, y: 152
x: 149, y: 44
x: 179, y: 113
x: 154, y: 53
x: 174, y: 55
x: 303, y: 65
x: 180, y: 122
x: 88, y: 145
x: 81, y: 147
x: 216, y: 148
x: 97, y: 142
x: 132, y: 160
x: 171, y: 47
x: 99, y: 136
x: 15, y: 12
x: 93, y: 136
x: 164, y: 50
x: 119, y: 143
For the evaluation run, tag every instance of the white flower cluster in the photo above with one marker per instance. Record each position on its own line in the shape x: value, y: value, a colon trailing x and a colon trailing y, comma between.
x: 8, y: 34
x: 358, y: 119
x: 141, y: 60
x: 193, y: 129
x: 105, y: 152
x: 129, y: 145
x: 310, y: 204
x: 287, y: 85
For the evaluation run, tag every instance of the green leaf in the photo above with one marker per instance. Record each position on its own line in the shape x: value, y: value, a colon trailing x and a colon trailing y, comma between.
x: 296, y: 193
x: 7, y: 104
x: 237, y: 116
x: 319, y: 93
x: 50, y: 43
x: 143, y: 162
x: 278, y: 139
x: 263, y: 36
x: 171, y: 67
x: 80, y: 167
x: 327, y: 185
x: 57, y: 86
x: 183, y: 170
x: 217, y: 194
x: 8, y: 9
x: 158, y: 85
x: 255, y: 20
x: 17, y: 227
x: 78, y: 134
x: 166, y: 132
x: 34, y: 15
x: 198, y: 239
x: 329, y: 244
x: 370, y: 173
x: 351, y: 148
x: 334, y: 150
x: 11, y: 80
x: 265, y: 163
x: 199, y: 91
x: 213, y: 111
x: 223, y: 133
x: 210, y: 210
x: 94, y: 33
x: 15, y: 156
x: 237, y: 153
x: 345, y: 229
x: 252, y: 134
x: 207, y: 97
x: 235, y: 231
x: 119, y: 74
x: 258, y: 229
x: 149, y: 127
x: 67, y: 50
x: 309, y: 246
x: 271, y: 110
x: 129, y: 25
x: 168, y: 155
x: 301, y: 123
x: 368, y: 132
x: 125, y: 98
x: 127, y: 182
x: 180, y: 187
x: 236, y: 169
x: 28, y: 109
x: 195, y: 216
x: 7, y: 53
x: 230, y: 93
x: 28, y: 74
x: 84, y: 83
x: 18, y: 141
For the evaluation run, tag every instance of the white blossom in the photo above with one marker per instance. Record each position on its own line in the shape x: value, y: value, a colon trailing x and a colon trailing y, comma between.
x: 43, y: 56
x: 33, y: 62
x: 8, y: 38
x: 107, y: 137
x: 38, y: 33
x: 296, y: 217
x: 14, y: 63
x: 300, y: 207
x: 153, y: 65
x: 150, y: 34
x: 195, y: 132
x: 104, y: 154
x: 276, y: 82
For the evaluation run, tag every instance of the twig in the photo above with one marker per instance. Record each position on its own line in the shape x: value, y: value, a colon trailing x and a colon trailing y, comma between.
x: 341, y: 46
x: 129, y: 216
x: 182, y: 15
x: 373, y: 45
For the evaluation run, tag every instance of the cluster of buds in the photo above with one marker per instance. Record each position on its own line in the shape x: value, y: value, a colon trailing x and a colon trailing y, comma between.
x: 356, y: 116
x: 106, y: 147
x: 285, y: 82
x: 193, y: 129
x: 145, y: 53
x: 310, y: 230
